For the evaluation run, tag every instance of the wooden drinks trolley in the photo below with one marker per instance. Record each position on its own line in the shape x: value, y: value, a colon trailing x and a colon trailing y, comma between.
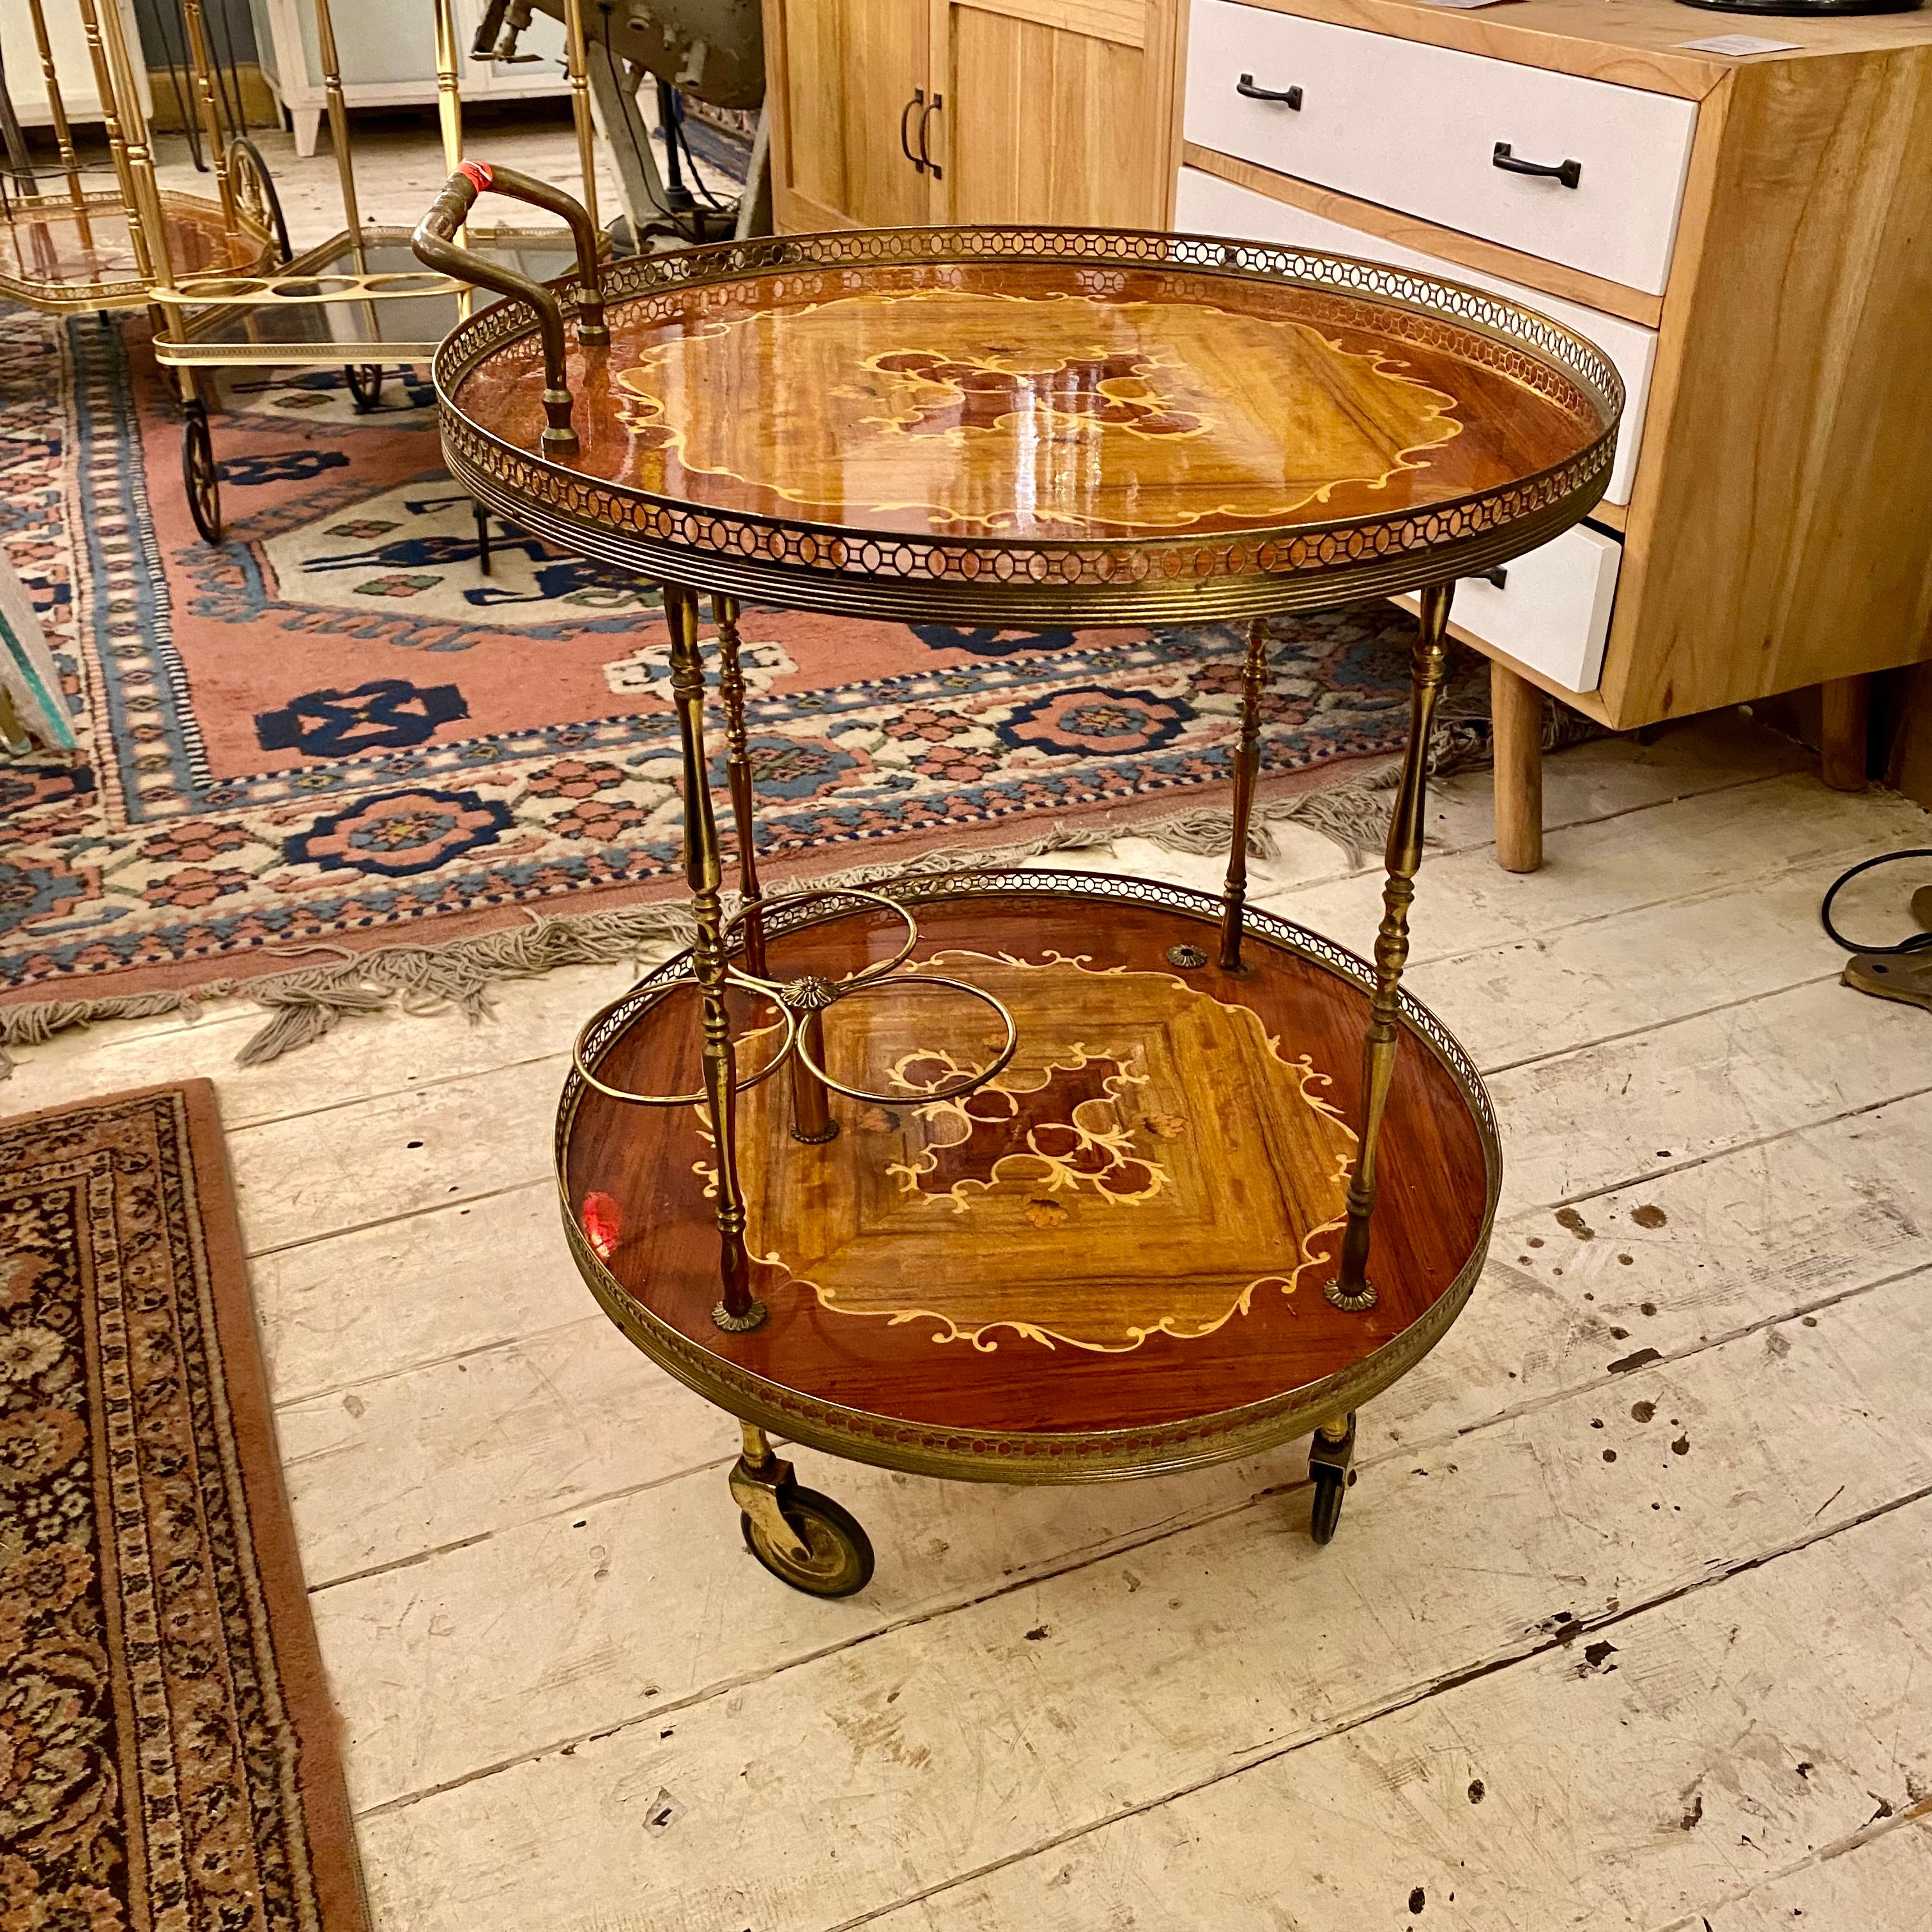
x: 1021, y: 1175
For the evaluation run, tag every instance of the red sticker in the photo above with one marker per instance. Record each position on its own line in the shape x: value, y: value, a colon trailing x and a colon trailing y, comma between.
x: 601, y: 1219
x: 478, y: 172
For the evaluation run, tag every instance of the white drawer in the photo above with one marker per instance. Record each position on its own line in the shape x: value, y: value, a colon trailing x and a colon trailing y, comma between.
x: 1551, y: 611
x: 1415, y: 127
x: 1206, y: 204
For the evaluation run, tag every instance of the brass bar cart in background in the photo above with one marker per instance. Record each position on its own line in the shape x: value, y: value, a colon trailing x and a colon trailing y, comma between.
x: 1072, y: 1176
x: 91, y: 238
x: 360, y: 300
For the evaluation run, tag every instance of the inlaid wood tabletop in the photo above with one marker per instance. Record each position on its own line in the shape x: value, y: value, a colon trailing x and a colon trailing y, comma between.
x: 971, y: 414
x: 1128, y: 1230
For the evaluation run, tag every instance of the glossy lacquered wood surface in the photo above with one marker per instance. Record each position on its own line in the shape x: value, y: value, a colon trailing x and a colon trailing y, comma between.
x: 1015, y: 399
x: 986, y: 1293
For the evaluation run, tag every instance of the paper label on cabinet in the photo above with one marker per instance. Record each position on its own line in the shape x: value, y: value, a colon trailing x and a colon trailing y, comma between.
x: 1736, y: 45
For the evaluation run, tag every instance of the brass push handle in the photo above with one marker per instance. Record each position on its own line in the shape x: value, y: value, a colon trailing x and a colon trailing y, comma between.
x: 1568, y: 172
x: 905, y: 114
x: 1289, y: 97
x: 434, y: 248
x: 933, y: 106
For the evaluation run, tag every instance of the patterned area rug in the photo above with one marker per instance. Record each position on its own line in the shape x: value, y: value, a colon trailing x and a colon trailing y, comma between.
x: 167, y: 1748
x: 335, y: 732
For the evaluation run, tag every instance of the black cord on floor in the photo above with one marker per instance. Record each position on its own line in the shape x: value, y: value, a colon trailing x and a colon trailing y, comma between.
x: 1917, y: 943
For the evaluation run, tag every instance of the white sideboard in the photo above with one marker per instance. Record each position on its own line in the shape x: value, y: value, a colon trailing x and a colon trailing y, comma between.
x: 388, y: 58
x: 73, y: 69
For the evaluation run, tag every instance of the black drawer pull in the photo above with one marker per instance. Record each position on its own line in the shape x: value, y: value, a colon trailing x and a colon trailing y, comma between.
x: 1497, y: 575
x: 905, y: 114
x: 937, y: 101
x: 1568, y: 172
x: 1289, y: 97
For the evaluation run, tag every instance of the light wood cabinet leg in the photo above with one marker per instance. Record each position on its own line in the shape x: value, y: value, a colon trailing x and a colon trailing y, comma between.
x: 1516, y: 715
x: 1845, y: 735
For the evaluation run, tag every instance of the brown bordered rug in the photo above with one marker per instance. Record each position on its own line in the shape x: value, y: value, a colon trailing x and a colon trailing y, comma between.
x: 168, y: 1749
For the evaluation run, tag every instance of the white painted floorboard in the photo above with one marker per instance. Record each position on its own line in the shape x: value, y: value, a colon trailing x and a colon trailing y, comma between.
x: 1556, y: 1670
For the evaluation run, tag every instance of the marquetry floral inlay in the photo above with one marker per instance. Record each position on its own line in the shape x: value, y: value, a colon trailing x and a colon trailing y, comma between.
x: 1005, y: 414
x: 1090, y: 1195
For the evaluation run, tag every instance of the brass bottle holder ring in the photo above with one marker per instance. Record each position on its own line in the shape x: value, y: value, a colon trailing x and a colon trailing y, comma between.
x: 732, y: 977
x: 863, y: 976
x: 1001, y: 1060
x: 808, y: 994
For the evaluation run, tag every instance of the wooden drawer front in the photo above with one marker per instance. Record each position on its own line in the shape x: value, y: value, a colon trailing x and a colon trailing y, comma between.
x: 1415, y: 127
x: 1552, y: 612
x: 1206, y: 204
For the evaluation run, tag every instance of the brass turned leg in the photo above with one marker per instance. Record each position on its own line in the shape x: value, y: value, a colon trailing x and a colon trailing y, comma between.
x: 738, y: 775
x: 1247, y: 770
x: 812, y: 1119
x: 737, y: 1310
x: 1351, y: 1288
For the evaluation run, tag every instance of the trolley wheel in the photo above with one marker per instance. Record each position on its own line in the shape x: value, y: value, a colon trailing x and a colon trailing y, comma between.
x: 199, y: 474
x: 841, y: 1562
x: 254, y: 188
x: 365, y: 385
x: 1329, y: 1485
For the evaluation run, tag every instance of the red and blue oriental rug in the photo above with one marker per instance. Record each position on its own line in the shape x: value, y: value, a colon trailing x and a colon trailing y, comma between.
x: 335, y: 732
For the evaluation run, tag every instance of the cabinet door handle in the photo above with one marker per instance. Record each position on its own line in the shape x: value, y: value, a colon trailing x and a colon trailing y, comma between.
x: 933, y: 106
x: 1498, y: 576
x: 905, y: 114
x: 1568, y: 172
x: 1289, y: 97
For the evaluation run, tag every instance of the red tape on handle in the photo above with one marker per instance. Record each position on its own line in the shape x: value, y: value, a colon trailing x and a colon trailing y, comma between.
x: 477, y: 173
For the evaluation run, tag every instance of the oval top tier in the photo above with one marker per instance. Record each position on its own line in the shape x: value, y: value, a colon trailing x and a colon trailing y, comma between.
x: 1038, y: 424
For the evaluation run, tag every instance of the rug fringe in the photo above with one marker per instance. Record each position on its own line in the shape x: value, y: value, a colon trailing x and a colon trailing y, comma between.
x: 459, y: 974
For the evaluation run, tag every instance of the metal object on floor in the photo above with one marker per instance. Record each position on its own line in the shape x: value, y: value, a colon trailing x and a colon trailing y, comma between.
x: 1105, y: 1202
x: 1902, y: 971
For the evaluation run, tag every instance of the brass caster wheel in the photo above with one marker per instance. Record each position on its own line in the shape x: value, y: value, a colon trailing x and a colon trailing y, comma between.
x: 840, y: 1559
x: 1329, y: 1486
x: 201, y: 480
x: 1331, y: 1458
x: 365, y: 385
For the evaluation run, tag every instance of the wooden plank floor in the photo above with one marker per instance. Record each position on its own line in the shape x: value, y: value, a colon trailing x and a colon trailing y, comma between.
x: 1628, y: 1622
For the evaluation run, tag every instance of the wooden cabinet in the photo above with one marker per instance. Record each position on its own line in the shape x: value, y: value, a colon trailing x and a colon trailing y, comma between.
x: 841, y: 75
x: 892, y: 112
x: 1744, y: 238
x: 1054, y: 111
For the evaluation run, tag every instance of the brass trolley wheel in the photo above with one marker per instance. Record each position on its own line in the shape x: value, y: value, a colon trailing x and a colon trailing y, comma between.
x: 255, y: 189
x: 199, y: 475
x: 841, y: 1562
x: 365, y: 385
